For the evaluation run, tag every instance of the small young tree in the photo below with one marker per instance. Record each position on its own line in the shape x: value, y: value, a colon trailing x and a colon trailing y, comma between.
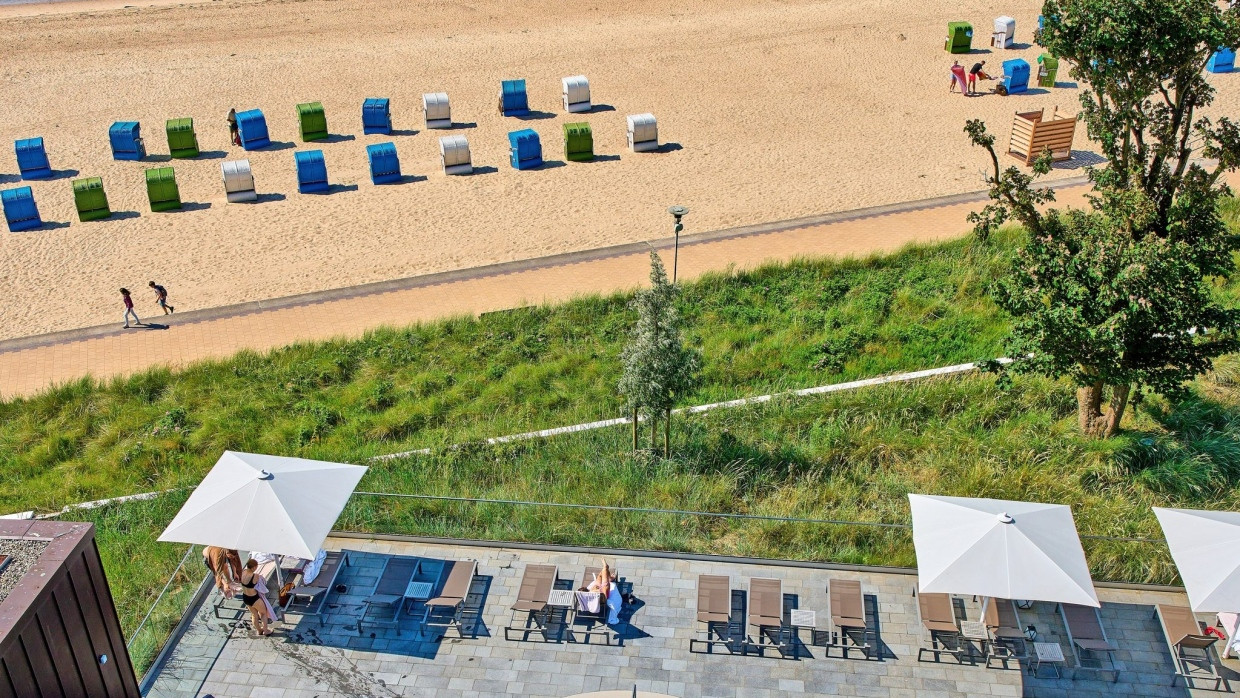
x: 658, y: 368
x: 1120, y: 295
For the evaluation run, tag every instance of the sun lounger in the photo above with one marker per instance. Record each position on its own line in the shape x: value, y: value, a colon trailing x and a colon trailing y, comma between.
x: 445, y: 610
x: 847, y: 605
x: 592, y: 606
x: 536, y: 584
x: 309, y: 599
x: 384, y: 606
x: 938, y: 617
x: 1088, y: 639
x: 1189, y: 646
x: 766, y: 613
x: 714, y: 612
x: 1007, y: 637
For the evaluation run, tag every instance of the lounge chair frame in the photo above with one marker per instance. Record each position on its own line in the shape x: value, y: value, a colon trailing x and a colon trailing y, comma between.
x: 317, y: 593
x: 532, y: 600
x: 445, y: 611
x: 846, y: 604
x: 713, y: 613
x: 1007, y: 639
x: 945, y: 637
x: 763, y: 592
x: 384, y: 601
x: 1089, y: 648
x: 1190, y: 652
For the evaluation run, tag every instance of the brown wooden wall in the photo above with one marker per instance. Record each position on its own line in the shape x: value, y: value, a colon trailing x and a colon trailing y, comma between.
x: 60, y: 621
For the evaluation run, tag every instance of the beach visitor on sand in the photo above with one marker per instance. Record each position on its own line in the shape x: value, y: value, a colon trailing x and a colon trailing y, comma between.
x: 234, y: 134
x: 958, y: 78
x: 977, y: 72
x: 161, y: 297
x: 129, y: 308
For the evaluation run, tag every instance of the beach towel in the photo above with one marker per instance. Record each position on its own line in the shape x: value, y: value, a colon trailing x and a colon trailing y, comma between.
x: 311, y: 570
x: 959, y: 76
x: 590, y: 601
x: 260, y: 585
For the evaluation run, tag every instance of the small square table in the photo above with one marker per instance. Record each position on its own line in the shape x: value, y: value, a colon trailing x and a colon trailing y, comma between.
x: 561, y: 597
x: 1048, y: 652
x: 419, y: 590
x: 803, y: 618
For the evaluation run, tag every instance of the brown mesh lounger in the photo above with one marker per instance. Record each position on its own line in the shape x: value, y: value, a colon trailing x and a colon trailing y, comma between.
x: 445, y: 610
x: 1007, y: 636
x: 766, y: 612
x: 1189, y: 646
x: 309, y: 599
x: 384, y: 606
x: 848, y: 615
x: 536, y: 584
x: 939, y: 618
x: 714, y: 611
x: 1088, y: 639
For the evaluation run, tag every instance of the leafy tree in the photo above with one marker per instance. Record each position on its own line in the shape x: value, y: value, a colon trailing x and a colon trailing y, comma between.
x: 1120, y: 296
x: 658, y: 368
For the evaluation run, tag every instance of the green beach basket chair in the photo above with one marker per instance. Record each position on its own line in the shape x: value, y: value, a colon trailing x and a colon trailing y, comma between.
x: 161, y: 188
x: 578, y: 142
x: 313, y: 121
x: 91, y: 201
x: 959, y: 37
x: 182, y: 143
x: 1048, y: 66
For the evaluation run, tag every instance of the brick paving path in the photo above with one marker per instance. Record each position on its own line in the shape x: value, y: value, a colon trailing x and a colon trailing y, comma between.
x: 28, y: 365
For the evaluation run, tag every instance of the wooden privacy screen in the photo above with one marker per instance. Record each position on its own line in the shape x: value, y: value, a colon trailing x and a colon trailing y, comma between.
x: 1031, y: 134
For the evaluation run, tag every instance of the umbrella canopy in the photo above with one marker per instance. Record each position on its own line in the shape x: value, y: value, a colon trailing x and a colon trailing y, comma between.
x: 1000, y: 549
x: 277, y: 505
x: 1203, y: 545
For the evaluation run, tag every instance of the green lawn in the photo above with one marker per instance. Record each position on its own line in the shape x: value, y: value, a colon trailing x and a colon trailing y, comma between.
x: 851, y: 456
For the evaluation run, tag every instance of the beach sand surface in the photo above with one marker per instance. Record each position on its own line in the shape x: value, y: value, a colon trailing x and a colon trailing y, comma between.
x: 767, y: 110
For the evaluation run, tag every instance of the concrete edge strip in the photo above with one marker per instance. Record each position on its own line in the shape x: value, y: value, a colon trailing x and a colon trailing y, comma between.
x: 502, y: 269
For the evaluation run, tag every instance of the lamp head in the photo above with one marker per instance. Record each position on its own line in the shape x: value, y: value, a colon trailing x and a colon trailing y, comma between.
x: 678, y: 212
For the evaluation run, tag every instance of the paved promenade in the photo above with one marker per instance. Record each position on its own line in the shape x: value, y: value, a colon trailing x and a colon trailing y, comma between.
x: 31, y: 364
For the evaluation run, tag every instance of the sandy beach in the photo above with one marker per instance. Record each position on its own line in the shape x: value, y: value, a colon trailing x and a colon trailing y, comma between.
x: 769, y: 111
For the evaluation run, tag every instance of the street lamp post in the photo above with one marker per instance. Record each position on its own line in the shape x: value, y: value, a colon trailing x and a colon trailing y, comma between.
x: 677, y: 212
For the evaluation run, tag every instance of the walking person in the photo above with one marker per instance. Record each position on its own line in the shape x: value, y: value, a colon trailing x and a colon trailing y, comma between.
x: 129, y: 308
x: 234, y: 133
x: 161, y: 297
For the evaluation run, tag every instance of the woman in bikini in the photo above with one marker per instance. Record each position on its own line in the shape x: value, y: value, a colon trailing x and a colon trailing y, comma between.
x: 258, y: 610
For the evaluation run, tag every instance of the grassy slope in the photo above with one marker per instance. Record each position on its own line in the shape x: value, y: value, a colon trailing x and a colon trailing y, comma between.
x: 848, y: 456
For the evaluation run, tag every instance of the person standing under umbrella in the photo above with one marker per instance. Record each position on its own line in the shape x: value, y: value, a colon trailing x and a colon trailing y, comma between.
x: 254, y: 600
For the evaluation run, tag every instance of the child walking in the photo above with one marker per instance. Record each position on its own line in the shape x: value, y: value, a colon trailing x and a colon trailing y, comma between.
x: 129, y: 308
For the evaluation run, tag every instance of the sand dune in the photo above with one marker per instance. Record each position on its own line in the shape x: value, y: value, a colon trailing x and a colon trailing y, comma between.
x: 770, y: 110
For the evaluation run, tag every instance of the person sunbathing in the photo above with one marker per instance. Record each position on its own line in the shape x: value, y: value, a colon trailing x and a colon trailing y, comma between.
x: 604, y: 584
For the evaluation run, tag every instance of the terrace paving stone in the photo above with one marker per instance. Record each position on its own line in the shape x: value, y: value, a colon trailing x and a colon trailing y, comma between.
x: 302, y: 659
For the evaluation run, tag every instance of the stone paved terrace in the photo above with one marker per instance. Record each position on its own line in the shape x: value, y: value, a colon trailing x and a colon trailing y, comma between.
x: 304, y: 659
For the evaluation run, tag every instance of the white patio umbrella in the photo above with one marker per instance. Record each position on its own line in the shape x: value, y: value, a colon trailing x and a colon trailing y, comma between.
x: 999, y: 549
x: 1203, y: 545
x: 284, y: 506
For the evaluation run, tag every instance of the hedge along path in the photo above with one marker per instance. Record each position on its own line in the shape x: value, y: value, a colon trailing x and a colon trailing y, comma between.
x: 32, y: 364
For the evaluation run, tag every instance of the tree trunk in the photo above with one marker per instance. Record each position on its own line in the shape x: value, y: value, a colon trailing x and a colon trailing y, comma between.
x: 654, y: 433
x: 634, y: 428
x: 1093, y: 421
x: 667, y: 434
x: 1089, y: 408
x: 1119, y: 402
